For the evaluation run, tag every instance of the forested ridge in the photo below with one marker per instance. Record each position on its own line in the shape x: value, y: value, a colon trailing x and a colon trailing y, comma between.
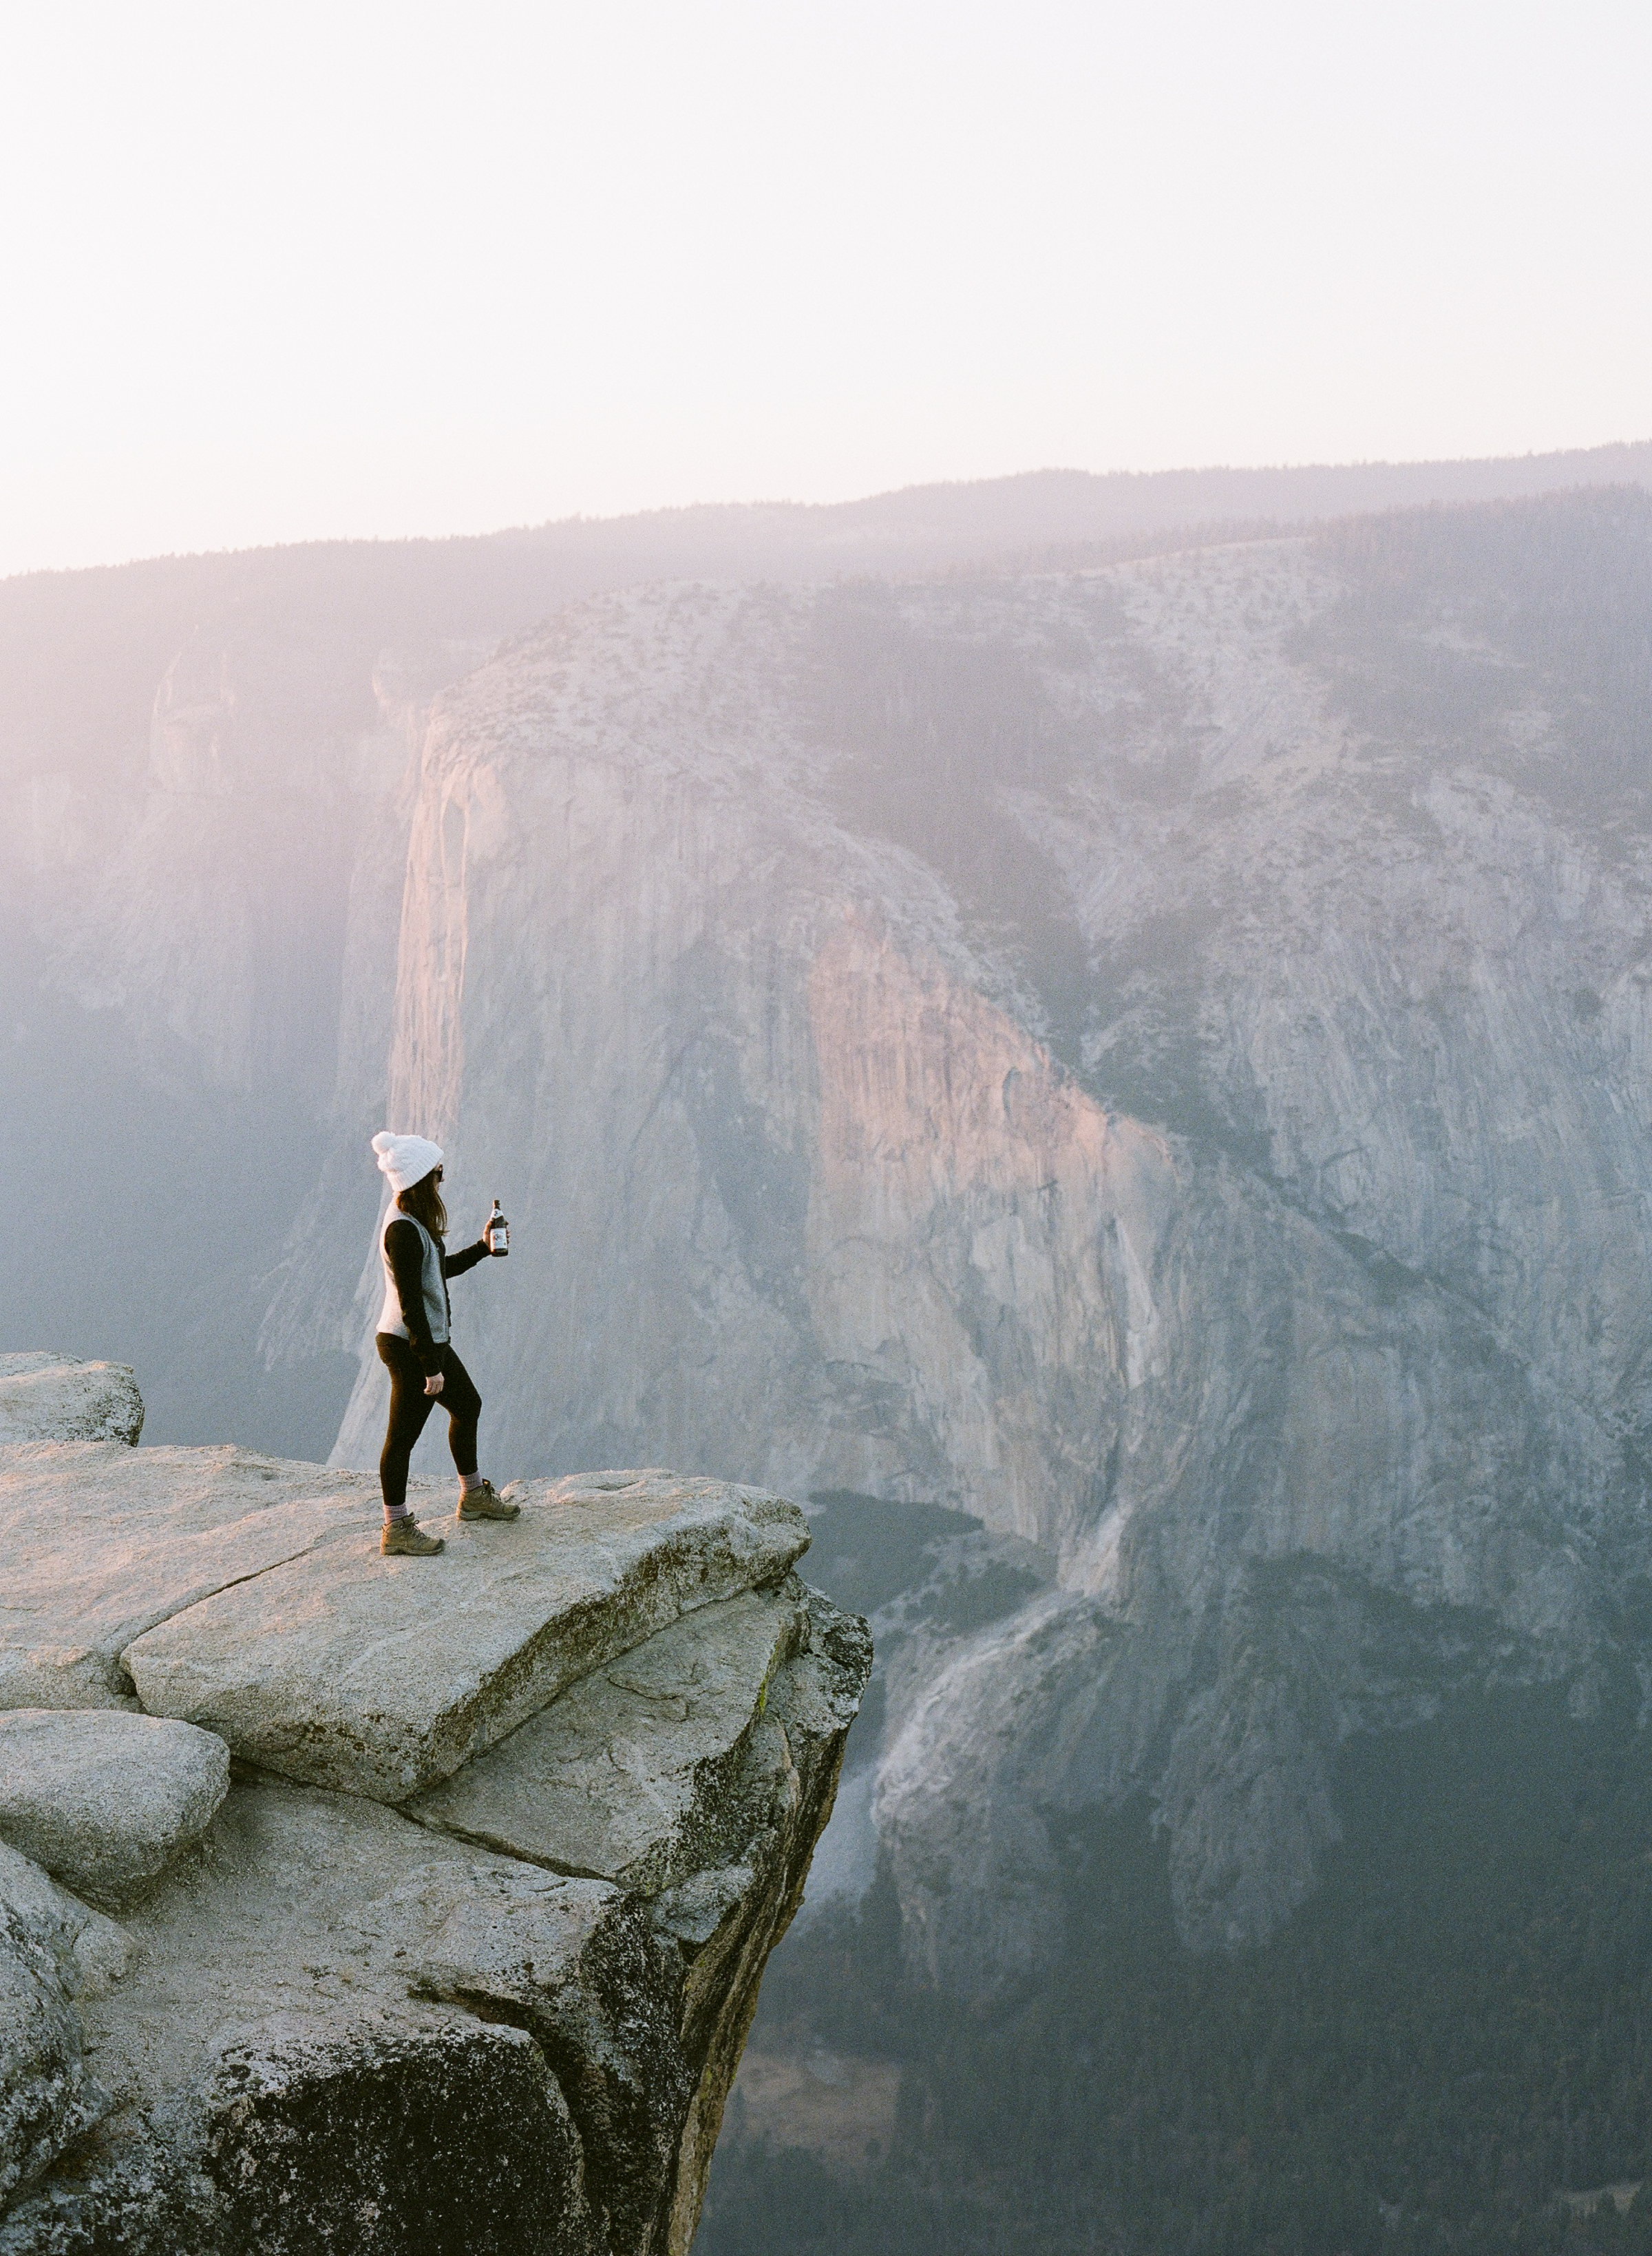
x: 1452, y: 2035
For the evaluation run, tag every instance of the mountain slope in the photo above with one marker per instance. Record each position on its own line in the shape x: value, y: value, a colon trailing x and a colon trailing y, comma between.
x: 1088, y: 1050
x: 207, y: 772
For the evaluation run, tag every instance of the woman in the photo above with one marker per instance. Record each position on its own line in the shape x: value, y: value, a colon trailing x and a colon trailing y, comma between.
x: 413, y: 1342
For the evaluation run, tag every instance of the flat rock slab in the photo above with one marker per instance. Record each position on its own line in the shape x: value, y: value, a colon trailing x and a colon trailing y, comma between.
x: 58, y: 1398
x: 380, y: 1676
x: 102, y: 1541
x: 628, y: 1775
x: 104, y: 1799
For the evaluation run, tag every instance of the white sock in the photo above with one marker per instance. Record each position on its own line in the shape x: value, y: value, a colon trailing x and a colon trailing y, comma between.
x: 467, y: 1481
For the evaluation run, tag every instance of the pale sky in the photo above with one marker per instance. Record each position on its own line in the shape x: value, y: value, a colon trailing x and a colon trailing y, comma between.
x: 277, y: 273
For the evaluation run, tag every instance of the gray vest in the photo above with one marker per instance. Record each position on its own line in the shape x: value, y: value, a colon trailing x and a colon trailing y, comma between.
x: 432, y: 1282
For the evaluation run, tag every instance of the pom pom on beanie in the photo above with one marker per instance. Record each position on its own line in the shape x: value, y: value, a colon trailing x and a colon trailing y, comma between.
x: 405, y: 1160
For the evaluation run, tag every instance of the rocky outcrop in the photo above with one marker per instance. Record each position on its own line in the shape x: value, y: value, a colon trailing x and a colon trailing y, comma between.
x: 57, y: 1398
x: 370, y: 1677
x: 107, y: 1542
x: 465, y: 1956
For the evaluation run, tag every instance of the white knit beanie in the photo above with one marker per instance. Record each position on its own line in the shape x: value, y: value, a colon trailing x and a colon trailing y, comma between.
x: 405, y: 1160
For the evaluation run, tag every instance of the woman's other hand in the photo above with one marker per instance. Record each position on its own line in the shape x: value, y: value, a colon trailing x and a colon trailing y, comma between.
x: 433, y: 1384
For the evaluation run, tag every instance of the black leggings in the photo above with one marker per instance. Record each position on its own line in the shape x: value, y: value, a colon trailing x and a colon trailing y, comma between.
x: 411, y: 1407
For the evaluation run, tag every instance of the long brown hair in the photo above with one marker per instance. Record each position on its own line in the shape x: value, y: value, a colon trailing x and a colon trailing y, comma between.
x: 424, y: 1201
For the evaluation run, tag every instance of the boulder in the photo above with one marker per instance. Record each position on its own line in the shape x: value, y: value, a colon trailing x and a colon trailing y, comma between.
x: 449, y: 2139
x: 104, y: 1799
x: 380, y: 1676
x: 58, y: 1398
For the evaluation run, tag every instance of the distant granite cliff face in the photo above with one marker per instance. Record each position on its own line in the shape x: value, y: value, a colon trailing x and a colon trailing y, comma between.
x: 1155, y: 1058
x: 207, y: 771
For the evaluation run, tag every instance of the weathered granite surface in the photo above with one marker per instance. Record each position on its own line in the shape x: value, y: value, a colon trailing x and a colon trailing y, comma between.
x: 629, y: 1776
x: 57, y: 1398
x: 501, y: 2016
x: 102, y: 1541
x: 52, y: 1951
x: 380, y: 1676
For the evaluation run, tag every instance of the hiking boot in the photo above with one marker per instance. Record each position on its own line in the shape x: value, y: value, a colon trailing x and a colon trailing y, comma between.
x: 486, y: 1502
x: 405, y: 1539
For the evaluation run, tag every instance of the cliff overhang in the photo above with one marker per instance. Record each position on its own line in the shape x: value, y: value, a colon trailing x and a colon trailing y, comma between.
x: 382, y: 1904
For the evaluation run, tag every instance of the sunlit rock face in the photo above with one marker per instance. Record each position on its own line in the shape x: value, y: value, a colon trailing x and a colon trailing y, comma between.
x: 1155, y: 1057
x: 209, y: 766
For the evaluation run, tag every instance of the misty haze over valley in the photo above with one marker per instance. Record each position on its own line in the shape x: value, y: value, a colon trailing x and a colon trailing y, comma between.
x: 1097, y: 1032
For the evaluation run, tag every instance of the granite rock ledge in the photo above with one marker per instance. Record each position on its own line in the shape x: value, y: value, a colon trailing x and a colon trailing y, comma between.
x: 465, y: 1956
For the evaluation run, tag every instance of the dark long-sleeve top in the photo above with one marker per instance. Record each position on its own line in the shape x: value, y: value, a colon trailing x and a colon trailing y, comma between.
x: 406, y: 1257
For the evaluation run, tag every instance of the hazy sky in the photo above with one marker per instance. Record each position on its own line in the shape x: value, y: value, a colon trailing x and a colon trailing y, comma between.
x: 276, y: 272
